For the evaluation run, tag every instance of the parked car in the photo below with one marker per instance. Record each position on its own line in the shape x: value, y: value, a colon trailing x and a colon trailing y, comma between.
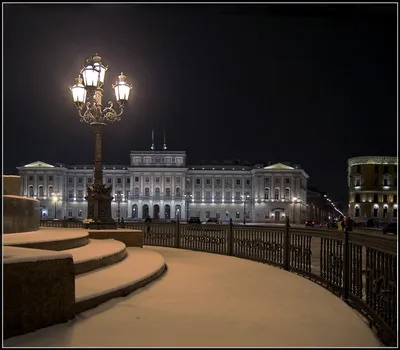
x: 390, y: 228
x: 194, y: 220
x: 212, y: 221
x: 309, y: 223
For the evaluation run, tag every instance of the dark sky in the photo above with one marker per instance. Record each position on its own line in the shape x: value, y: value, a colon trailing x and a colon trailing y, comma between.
x: 310, y: 84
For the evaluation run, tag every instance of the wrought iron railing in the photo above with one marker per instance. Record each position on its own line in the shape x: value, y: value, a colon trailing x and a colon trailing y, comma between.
x: 361, y: 268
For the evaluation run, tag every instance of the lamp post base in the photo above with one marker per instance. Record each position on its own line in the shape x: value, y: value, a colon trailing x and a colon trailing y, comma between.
x: 99, y: 207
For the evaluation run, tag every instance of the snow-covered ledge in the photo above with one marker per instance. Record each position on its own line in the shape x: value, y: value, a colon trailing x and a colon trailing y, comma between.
x: 39, y: 289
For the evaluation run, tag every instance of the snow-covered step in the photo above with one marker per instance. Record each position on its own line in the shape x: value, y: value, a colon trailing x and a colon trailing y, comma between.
x: 48, y: 238
x: 139, y: 268
x: 97, y: 254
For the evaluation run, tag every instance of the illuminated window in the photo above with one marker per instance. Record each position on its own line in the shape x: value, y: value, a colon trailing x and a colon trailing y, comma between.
x: 80, y: 194
x: 238, y: 215
x: 41, y: 191
x: 208, y: 195
x: 197, y: 194
x: 147, y: 191
x: 228, y: 195
x: 237, y: 196
x: 30, y: 191
x: 276, y: 193
x: 168, y: 192
x: 266, y: 193
x: 287, y: 193
x: 217, y: 195
x: 136, y: 192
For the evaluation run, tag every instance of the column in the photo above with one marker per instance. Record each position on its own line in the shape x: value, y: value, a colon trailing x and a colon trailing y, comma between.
x: 35, y: 189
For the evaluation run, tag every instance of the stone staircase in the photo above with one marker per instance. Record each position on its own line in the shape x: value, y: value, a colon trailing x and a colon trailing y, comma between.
x: 102, y: 269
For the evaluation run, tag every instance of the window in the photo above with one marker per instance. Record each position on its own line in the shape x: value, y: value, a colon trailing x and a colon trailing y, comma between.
x: 357, y: 213
x: 375, y: 198
x: 157, y: 192
x: 375, y: 212
x: 197, y: 195
x: 80, y: 180
x: 395, y: 198
x: 127, y: 194
x: 109, y: 180
x: 228, y: 195
x: 287, y: 194
x: 197, y: 181
x: 147, y: 179
x: 237, y: 215
x: 358, y: 181
x: 136, y: 192
x: 207, y: 214
x: 178, y: 180
x: 227, y: 182
x: 147, y: 191
x: 50, y: 177
x: 248, y: 182
x: 119, y: 180
x: 178, y: 192
x: 276, y: 193
x: 217, y: 195
x: 277, y: 180
x: 30, y: 177
x: 208, y: 195
x: 287, y: 180
x: 168, y: 179
x: 70, y: 180
x: 266, y: 193
x: 70, y: 194
x: 168, y: 192
x: 358, y: 198
x: 237, y: 195
x: 128, y: 180
x: 136, y: 178
x: 385, y: 169
x: 79, y: 213
x: 376, y: 169
x: 385, y: 182
x: 40, y: 177
x: 80, y: 194
x: 41, y: 192
x: 385, y: 198
x: 157, y: 179
x: 238, y: 182
x: 70, y: 213
x: 218, y: 182
x: 50, y: 192
x: 358, y: 169
x: 208, y: 181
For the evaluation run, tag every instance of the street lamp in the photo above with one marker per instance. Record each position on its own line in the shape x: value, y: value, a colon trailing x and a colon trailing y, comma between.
x: 188, y: 197
x: 98, y: 195
x: 55, y: 200
x: 244, y: 198
x: 294, y: 202
x: 118, y: 199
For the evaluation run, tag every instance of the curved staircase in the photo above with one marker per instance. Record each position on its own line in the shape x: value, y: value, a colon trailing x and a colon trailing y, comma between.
x: 100, y: 269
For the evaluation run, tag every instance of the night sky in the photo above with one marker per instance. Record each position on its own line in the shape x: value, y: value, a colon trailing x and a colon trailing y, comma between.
x: 310, y: 84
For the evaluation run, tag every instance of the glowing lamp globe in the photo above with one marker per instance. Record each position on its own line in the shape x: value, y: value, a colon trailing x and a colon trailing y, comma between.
x: 122, y: 90
x: 78, y: 92
x: 91, y: 74
x: 100, y: 68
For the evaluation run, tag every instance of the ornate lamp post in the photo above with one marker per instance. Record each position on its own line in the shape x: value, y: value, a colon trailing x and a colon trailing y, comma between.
x: 294, y: 204
x: 119, y: 199
x: 188, y: 197
x: 98, y: 195
x: 244, y: 198
x: 55, y: 200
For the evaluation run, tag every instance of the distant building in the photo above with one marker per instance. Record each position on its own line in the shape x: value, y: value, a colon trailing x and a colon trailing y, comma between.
x: 319, y: 208
x: 372, y: 185
x: 160, y: 184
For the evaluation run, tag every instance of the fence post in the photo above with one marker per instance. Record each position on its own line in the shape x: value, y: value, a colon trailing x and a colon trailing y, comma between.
x: 346, y: 266
x: 177, y: 233
x: 286, y: 245
x: 230, y: 238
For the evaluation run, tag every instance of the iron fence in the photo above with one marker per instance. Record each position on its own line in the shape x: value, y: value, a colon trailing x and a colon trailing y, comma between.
x: 358, y: 267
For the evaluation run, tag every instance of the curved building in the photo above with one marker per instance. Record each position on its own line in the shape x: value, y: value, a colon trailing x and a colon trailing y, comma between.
x: 372, y: 183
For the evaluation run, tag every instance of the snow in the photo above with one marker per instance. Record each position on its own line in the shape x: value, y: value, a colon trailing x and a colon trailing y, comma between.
x: 95, y: 250
x: 15, y: 176
x: 116, y: 231
x: 19, y: 197
x: 138, y: 265
x: 44, y: 234
x: 207, y: 300
x: 14, y: 255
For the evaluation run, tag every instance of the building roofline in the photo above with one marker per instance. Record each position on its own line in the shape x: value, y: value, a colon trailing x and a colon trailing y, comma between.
x: 371, y: 160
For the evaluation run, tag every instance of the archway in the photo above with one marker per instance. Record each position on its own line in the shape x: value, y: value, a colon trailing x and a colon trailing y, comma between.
x: 167, y: 210
x: 145, y: 211
x: 135, y: 211
x: 156, y: 210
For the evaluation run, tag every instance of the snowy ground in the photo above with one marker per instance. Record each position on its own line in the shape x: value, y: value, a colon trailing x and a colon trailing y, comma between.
x: 209, y: 300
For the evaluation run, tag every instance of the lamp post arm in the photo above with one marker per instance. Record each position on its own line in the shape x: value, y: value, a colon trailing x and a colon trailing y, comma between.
x: 110, y: 115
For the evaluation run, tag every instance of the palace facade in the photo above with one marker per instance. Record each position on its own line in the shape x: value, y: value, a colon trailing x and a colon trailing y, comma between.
x: 160, y: 184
